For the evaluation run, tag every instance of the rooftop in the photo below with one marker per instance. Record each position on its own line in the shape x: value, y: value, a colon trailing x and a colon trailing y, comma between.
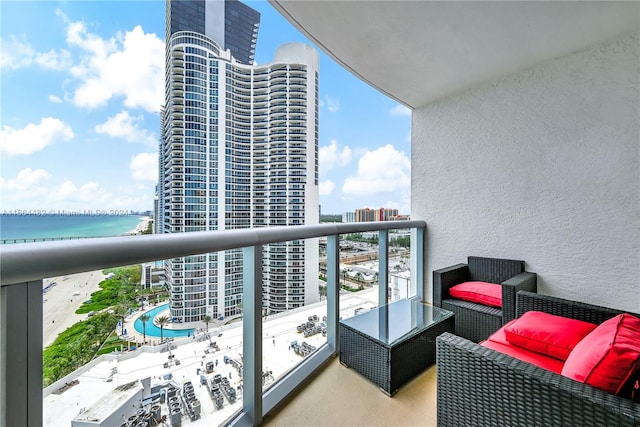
x: 98, y: 391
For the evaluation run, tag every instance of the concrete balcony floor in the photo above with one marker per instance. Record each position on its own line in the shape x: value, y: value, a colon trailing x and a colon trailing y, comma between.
x: 339, y: 396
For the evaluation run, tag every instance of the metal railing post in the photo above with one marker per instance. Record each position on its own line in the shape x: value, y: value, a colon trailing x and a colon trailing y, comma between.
x: 418, y: 244
x: 21, y: 354
x: 420, y: 252
x: 333, y: 292
x: 383, y: 267
x: 252, y: 334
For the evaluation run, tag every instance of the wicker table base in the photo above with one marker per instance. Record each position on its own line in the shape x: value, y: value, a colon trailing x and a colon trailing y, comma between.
x: 390, y: 345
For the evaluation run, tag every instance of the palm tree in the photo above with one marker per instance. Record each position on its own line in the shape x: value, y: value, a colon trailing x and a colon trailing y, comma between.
x: 162, y: 320
x: 144, y: 319
x: 121, y: 311
x: 358, y: 278
x: 207, y: 319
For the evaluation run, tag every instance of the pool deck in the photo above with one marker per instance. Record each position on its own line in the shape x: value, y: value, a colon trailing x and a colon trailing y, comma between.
x: 152, y: 339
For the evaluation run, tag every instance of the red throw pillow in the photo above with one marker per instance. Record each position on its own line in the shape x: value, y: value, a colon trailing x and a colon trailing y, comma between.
x: 546, y: 333
x: 480, y: 292
x: 609, y: 356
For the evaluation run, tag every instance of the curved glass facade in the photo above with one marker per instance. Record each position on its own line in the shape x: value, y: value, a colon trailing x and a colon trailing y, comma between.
x: 238, y: 150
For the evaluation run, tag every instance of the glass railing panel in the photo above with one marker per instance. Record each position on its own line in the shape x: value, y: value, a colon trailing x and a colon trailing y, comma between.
x: 221, y: 371
x: 291, y: 336
x: 294, y: 308
x: 130, y: 351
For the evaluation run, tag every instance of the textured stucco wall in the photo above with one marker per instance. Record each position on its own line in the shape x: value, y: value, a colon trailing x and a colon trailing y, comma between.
x: 543, y: 166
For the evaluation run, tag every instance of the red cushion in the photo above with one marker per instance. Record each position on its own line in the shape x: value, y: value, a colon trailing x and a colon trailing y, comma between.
x: 546, y: 333
x: 609, y: 356
x: 480, y: 292
x: 498, y: 342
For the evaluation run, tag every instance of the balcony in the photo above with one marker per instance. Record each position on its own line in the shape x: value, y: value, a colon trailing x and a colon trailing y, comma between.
x: 502, y: 161
x: 524, y: 145
x: 24, y: 266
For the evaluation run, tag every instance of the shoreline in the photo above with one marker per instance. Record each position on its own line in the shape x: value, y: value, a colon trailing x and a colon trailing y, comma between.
x: 142, y: 226
x: 29, y: 229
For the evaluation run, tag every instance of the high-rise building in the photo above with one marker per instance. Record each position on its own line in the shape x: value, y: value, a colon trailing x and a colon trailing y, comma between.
x: 382, y: 214
x: 231, y: 24
x: 239, y: 149
x: 348, y: 217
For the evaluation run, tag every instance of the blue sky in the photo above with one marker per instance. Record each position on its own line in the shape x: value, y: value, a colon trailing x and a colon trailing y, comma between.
x: 81, y: 86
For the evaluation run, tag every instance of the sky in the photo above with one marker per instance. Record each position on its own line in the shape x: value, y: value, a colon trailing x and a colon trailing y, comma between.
x: 81, y: 86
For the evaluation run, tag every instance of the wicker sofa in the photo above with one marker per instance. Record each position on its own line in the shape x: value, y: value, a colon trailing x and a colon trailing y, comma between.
x: 478, y: 386
x: 476, y: 321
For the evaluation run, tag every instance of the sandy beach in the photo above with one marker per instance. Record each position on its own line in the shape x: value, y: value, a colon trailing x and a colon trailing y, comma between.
x: 142, y: 226
x: 62, y: 300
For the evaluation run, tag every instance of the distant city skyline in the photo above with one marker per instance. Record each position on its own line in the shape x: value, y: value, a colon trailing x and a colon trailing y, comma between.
x: 82, y: 86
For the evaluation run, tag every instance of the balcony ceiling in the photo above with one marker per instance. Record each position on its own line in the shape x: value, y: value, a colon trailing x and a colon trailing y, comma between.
x: 419, y: 51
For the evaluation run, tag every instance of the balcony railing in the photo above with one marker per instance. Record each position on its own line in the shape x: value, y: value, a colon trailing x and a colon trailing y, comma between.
x: 24, y: 266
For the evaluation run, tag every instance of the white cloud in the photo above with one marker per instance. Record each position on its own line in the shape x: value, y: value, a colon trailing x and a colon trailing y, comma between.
x: 69, y: 196
x: 28, y: 184
x: 333, y: 104
x: 380, y: 171
x: 124, y: 126
x: 402, y: 203
x: 36, y: 190
x: 54, y: 60
x: 34, y: 137
x: 55, y: 99
x: 400, y: 110
x: 144, y: 166
x: 326, y: 187
x: 330, y: 156
x: 130, y: 65
x: 16, y: 54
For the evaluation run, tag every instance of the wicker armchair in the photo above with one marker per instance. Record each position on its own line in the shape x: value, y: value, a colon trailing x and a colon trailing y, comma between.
x: 475, y: 321
x: 478, y: 386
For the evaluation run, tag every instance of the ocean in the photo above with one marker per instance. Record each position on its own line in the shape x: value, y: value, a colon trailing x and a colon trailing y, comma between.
x: 39, y: 227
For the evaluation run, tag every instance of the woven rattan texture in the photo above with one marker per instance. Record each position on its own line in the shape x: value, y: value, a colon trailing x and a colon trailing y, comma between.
x: 390, y: 367
x: 494, y: 270
x: 478, y: 386
x: 474, y: 321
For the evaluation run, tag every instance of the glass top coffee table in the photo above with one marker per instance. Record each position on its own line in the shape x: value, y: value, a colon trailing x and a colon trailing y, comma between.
x: 391, y: 344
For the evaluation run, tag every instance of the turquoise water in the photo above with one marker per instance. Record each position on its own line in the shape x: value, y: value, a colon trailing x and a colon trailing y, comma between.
x: 25, y: 227
x: 154, y: 331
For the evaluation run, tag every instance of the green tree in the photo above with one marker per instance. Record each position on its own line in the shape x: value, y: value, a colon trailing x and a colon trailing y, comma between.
x: 162, y: 320
x: 330, y: 218
x: 207, y: 319
x: 121, y: 311
x: 404, y: 241
x: 144, y: 319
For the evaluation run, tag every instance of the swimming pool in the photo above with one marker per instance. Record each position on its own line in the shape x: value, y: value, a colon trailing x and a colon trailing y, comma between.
x: 154, y: 331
